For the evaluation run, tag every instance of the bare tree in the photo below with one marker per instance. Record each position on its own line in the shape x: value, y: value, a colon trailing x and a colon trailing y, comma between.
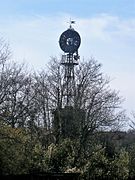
x: 93, y: 96
x: 132, y: 121
x: 27, y: 98
x: 15, y: 95
x: 5, y: 53
x: 42, y: 99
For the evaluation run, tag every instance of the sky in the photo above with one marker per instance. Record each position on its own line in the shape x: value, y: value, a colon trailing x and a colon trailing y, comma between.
x: 107, y: 30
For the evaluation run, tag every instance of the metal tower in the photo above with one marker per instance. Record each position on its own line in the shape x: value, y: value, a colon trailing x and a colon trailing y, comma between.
x: 69, y: 42
x: 65, y: 124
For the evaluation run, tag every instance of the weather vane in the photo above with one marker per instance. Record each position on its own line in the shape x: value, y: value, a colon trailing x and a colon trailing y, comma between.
x: 70, y: 23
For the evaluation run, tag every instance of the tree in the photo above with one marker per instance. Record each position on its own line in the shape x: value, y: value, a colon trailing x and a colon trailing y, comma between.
x: 5, y: 52
x: 42, y: 100
x: 33, y: 105
x: 4, y: 80
x: 99, y: 166
x: 120, y: 165
x: 93, y: 96
x: 15, y: 109
x: 14, y: 150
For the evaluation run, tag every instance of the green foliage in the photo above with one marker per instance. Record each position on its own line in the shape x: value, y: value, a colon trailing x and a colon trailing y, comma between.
x: 60, y: 157
x: 30, y: 143
x: 13, y: 155
x: 22, y: 153
x: 19, y: 152
x: 97, y: 164
x: 120, y: 165
x: 132, y: 160
x: 100, y: 166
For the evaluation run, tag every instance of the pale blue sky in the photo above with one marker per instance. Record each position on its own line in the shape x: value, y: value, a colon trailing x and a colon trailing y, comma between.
x: 81, y: 8
x: 107, y: 29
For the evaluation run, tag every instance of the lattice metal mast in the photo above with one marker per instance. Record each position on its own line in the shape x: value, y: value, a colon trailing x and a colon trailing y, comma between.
x: 69, y: 42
